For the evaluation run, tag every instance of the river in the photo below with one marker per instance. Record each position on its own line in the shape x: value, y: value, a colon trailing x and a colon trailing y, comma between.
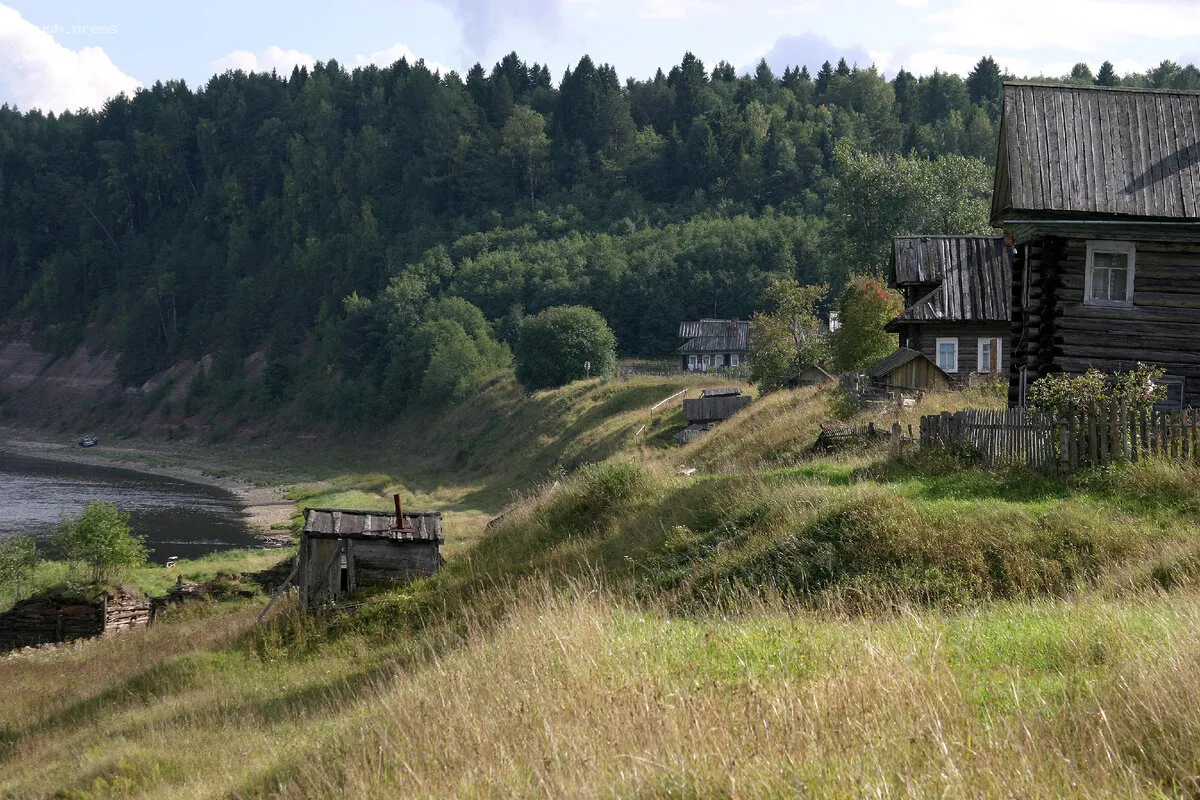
x: 176, y: 517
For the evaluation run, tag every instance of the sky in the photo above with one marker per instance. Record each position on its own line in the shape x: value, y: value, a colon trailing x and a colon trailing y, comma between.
x: 70, y: 54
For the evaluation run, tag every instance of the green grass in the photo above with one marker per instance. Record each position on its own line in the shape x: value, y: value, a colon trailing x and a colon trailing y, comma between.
x: 776, y: 624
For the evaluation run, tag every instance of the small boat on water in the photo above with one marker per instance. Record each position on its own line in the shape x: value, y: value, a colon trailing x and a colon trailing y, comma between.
x: 89, y: 441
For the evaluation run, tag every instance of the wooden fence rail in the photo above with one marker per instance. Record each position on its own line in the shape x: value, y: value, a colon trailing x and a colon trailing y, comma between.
x: 1097, y: 437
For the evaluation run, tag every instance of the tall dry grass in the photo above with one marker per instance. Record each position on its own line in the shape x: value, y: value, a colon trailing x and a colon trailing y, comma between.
x: 577, y: 694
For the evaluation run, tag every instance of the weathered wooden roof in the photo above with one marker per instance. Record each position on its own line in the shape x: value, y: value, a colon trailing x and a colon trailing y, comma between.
x: 337, y: 523
x: 715, y: 336
x: 730, y: 392
x: 890, y: 364
x: 1084, y: 151
x: 974, y: 276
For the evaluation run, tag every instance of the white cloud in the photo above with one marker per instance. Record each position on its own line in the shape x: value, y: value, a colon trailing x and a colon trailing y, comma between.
x: 677, y: 9
x: 38, y: 72
x: 1083, y: 26
x: 273, y: 58
x: 385, y: 58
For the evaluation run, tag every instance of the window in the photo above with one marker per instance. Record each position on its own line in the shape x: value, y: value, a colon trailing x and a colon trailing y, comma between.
x: 990, y: 355
x: 947, y: 354
x: 1109, y: 280
x: 718, y: 360
x: 1173, y: 399
x: 734, y: 360
x: 706, y: 361
x: 691, y: 362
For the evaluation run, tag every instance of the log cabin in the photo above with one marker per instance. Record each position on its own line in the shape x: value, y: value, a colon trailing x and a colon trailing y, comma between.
x: 956, y: 292
x: 1099, y: 190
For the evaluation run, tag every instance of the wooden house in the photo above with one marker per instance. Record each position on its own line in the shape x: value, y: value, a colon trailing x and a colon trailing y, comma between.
x: 1099, y: 189
x: 344, y: 551
x: 714, y: 343
x: 908, y: 370
x: 957, y: 291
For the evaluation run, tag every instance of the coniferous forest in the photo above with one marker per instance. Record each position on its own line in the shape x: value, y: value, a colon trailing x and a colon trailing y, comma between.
x: 379, y: 234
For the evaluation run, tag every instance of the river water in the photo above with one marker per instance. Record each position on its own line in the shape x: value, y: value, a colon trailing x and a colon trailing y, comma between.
x: 176, y: 517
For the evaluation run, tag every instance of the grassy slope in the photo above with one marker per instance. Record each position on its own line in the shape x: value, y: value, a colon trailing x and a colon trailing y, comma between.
x: 774, y: 624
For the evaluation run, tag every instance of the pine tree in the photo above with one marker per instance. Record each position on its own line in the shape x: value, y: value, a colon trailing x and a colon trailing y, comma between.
x: 1107, y: 76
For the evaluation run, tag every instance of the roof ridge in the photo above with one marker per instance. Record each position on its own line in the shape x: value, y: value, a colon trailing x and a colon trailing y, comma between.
x: 1095, y: 88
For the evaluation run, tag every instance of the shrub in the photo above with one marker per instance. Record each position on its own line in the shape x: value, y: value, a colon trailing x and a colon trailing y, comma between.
x: 555, y: 347
x: 1068, y: 394
x: 101, y: 540
x: 18, y: 558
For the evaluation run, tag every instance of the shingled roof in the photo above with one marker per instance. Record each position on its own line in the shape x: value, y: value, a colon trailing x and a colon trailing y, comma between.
x: 715, y: 336
x: 893, y: 362
x: 335, y: 523
x: 1083, y: 151
x: 975, y: 275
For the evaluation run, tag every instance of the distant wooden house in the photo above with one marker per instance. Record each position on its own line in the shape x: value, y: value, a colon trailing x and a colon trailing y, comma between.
x: 908, y: 370
x: 714, y: 343
x: 344, y: 551
x: 1099, y: 189
x: 957, y: 292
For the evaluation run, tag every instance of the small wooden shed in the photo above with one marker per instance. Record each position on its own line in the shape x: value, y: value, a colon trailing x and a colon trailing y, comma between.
x: 714, y: 405
x: 908, y: 370
x: 342, y: 551
x: 814, y: 375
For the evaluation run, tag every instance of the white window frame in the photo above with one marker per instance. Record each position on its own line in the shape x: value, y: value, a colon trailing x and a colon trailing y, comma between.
x: 734, y: 360
x: 980, y: 366
x: 692, y: 362
x: 719, y: 360
x: 705, y: 362
x: 1093, y: 247
x: 937, y: 352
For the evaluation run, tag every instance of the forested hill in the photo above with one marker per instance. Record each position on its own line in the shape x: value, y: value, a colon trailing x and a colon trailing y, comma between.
x: 319, y: 216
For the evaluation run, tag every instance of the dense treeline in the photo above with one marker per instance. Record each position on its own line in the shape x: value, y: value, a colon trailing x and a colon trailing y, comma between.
x: 324, y: 214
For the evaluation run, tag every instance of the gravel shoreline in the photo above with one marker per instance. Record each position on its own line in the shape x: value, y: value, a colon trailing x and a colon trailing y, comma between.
x: 261, y: 506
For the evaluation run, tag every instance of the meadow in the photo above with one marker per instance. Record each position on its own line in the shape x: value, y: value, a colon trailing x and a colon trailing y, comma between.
x: 777, y: 623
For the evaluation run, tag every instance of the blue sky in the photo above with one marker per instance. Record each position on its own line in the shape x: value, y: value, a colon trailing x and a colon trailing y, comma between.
x: 57, y: 54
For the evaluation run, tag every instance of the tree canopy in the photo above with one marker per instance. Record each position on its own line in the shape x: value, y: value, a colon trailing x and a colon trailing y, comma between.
x: 563, y: 344
x: 318, y: 217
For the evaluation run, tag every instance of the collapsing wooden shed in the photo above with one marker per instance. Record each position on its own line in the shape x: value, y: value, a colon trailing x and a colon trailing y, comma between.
x: 344, y: 551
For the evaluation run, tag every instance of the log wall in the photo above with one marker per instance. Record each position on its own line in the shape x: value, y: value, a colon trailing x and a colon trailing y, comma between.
x: 51, y: 619
x: 1053, y: 331
x: 923, y: 339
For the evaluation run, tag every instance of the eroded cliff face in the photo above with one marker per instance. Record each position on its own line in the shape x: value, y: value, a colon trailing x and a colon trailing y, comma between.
x: 71, y: 391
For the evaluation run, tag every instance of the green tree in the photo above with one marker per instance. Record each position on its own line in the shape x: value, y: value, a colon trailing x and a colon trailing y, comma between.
x: 1107, y: 76
x: 556, y: 346
x: 865, y: 307
x: 18, y: 559
x: 1081, y: 73
x: 985, y: 84
x: 101, y: 540
x: 787, y: 337
x: 526, y: 145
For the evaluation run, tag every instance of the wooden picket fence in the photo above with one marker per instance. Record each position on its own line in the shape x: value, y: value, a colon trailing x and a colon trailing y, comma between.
x: 1098, y: 437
